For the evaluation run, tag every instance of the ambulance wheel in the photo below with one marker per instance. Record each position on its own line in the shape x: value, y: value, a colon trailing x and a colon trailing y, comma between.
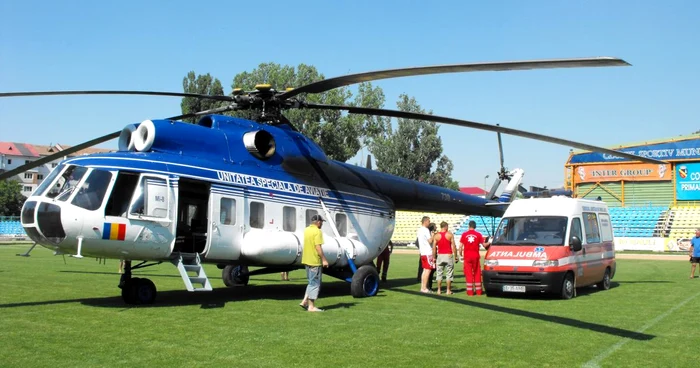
x: 365, y: 282
x: 235, y: 275
x: 605, y: 283
x: 568, y: 288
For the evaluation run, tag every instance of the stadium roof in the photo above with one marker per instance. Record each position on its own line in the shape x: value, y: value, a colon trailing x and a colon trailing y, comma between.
x: 646, y: 143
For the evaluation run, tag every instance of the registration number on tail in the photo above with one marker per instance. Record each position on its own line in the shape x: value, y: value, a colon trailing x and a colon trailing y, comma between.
x: 513, y: 288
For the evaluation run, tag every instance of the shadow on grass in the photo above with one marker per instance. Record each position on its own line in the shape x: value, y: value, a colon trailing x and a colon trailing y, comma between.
x: 216, y: 298
x: 571, y: 322
x: 135, y: 273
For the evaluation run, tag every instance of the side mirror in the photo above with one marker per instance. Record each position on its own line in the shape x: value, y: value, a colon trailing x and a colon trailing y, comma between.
x: 575, y: 243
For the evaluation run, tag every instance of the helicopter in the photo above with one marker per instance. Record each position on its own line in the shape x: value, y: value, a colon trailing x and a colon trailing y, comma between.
x: 238, y: 193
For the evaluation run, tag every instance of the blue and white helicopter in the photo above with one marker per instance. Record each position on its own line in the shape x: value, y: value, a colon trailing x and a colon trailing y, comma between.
x: 239, y: 193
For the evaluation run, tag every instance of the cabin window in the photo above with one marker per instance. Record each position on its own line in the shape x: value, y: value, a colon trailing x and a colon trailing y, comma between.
x: 92, y: 191
x: 40, y: 177
x: 227, y: 211
x: 150, y: 198
x: 28, y: 175
x: 289, y: 218
x: 67, y: 183
x: 309, y: 215
x: 605, y: 227
x: 341, y: 223
x: 9, y: 161
x: 257, y: 215
x: 590, y: 223
x: 124, y: 187
x: 27, y: 189
x: 576, y: 229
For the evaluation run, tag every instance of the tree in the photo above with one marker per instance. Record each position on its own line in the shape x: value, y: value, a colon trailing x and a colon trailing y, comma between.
x: 414, y: 149
x: 202, y: 84
x: 339, y: 135
x: 11, y: 198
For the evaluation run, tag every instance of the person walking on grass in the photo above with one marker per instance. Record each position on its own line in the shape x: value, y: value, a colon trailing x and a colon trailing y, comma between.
x: 694, y: 252
x: 313, y: 258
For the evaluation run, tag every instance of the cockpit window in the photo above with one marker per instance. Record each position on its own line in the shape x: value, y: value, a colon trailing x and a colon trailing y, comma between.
x: 49, y: 179
x: 93, y: 189
x: 66, y: 183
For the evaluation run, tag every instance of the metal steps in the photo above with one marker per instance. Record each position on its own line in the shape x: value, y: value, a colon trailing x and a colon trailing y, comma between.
x: 188, y: 264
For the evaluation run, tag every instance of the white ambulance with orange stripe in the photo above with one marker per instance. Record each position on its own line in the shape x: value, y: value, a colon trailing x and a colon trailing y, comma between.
x: 551, y: 245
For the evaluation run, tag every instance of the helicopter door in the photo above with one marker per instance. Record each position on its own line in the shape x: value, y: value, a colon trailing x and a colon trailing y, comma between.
x: 225, y: 227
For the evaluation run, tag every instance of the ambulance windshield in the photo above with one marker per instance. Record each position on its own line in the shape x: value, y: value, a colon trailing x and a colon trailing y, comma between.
x: 532, y: 230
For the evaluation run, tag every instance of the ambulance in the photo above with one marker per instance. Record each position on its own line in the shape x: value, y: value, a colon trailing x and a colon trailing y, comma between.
x: 551, y: 245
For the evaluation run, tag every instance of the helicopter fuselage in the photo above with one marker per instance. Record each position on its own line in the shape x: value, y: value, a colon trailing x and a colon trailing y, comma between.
x: 226, y: 191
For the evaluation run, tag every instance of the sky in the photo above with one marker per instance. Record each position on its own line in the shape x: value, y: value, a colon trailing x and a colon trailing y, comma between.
x: 138, y: 45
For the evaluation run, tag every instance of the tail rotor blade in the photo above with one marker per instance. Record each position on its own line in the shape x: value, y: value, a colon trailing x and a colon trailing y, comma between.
x: 500, y: 149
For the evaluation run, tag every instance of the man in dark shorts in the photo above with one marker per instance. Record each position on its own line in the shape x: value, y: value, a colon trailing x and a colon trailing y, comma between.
x: 383, y: 260
x: 694, y: 252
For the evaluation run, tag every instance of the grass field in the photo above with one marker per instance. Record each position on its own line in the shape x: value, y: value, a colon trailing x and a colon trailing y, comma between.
x: 67, y: 315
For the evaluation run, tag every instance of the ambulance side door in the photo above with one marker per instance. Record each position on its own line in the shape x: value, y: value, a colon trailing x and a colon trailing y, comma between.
x: 578, y: 258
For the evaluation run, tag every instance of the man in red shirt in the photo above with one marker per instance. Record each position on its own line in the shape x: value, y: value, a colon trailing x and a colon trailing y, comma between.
x: 445, y: 253
x: 469, y: 245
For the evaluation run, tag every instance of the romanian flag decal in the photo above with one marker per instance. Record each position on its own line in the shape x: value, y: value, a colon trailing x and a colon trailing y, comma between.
x: 114, y: 231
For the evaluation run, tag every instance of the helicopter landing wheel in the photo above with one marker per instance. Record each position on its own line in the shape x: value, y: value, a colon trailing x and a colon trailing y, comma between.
x: 365, y: 282
x: 235, y: 275
x: 139, y: 291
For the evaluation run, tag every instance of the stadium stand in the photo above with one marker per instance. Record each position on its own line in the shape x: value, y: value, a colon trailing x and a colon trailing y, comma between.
x: 484, y: 224
x: 637, y: 222
x: 682, y: 221
x: 407, y: 224
x: 11, y: 227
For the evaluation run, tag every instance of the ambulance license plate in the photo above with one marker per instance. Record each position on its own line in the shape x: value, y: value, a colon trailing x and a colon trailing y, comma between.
x: 514, y: 288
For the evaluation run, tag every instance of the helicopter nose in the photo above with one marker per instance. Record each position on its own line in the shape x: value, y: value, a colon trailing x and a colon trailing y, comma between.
x: 48, y: 228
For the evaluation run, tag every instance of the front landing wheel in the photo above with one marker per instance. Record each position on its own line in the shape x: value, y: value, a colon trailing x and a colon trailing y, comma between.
x: 365, y: 282
x: 139, y: 291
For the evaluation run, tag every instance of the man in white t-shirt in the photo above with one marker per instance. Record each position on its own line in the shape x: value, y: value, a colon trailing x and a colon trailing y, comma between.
x: 426, y: 253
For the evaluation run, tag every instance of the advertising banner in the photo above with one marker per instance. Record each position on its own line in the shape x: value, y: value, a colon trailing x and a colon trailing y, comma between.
x: 677, y: 245
x: 681, y: 150
x: 626, y: 172
x: 648, y: 244
x: 688, y: 182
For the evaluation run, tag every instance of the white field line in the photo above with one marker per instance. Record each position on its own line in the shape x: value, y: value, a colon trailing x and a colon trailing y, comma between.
x: 594, y: 363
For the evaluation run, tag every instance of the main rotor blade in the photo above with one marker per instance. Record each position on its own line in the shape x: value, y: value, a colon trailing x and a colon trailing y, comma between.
x: 481, y: 126
x: 148, y: 93
x: 58, y: 155
x: 205, y: 112
x: 346, y: 80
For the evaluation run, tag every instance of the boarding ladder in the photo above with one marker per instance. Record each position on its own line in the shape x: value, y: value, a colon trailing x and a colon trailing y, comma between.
x: 188, y: 263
